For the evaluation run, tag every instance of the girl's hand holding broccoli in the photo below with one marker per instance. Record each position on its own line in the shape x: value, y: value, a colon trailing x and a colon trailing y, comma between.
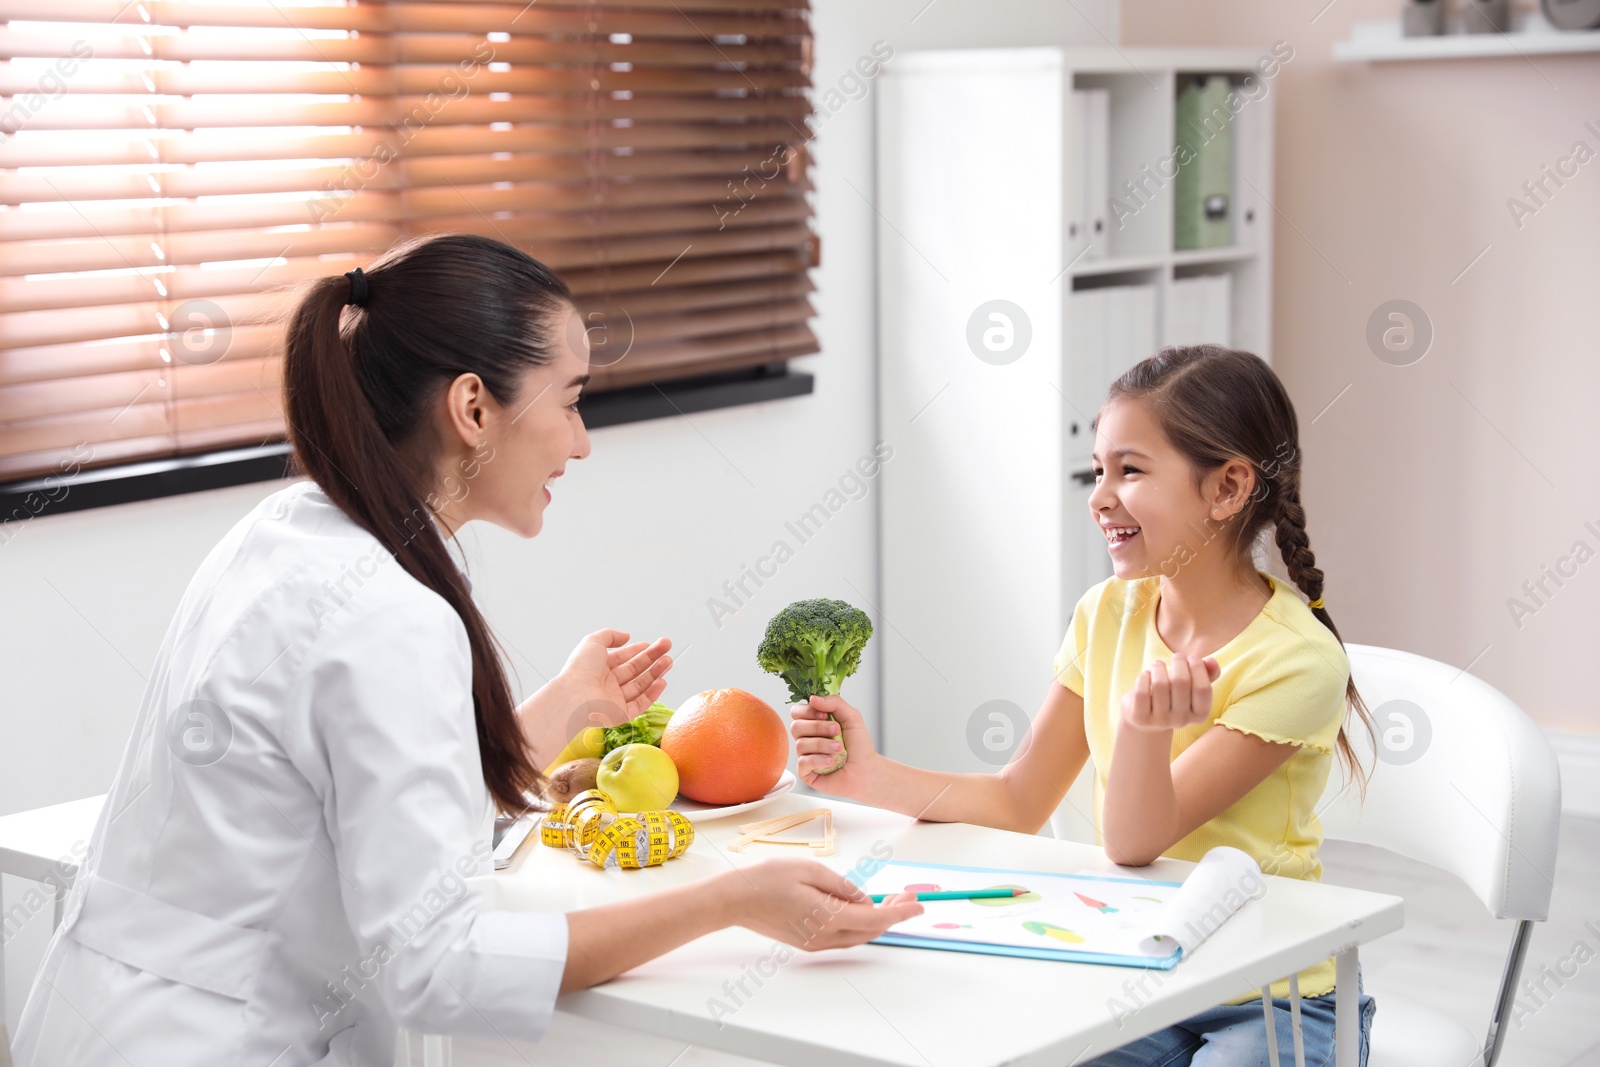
x: 1169, y: 698
x: 817, y: 739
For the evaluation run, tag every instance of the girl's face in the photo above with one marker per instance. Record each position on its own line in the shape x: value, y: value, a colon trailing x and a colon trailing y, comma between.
x: 1145, y: 502
x: 522, y: 446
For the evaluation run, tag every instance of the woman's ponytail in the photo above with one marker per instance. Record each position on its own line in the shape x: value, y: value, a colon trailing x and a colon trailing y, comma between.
x: 356, y: 387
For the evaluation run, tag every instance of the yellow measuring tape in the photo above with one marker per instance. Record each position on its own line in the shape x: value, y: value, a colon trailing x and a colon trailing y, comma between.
x: 590, y: 827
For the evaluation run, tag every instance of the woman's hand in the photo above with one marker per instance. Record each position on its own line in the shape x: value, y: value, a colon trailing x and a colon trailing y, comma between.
x: 796, y: 901
x: 817, y: 739
x: 805, y: 904
x: 1164, y: 699
x: 605, y: 682
x: 604, y: 668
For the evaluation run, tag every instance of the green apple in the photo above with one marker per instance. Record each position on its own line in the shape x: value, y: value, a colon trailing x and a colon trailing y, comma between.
x: 638, y: 777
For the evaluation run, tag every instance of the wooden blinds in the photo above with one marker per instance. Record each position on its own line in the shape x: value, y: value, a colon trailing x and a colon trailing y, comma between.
x: 170, y: 167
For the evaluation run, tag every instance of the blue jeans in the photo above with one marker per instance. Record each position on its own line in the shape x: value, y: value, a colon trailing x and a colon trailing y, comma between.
x: 1236, y: 1036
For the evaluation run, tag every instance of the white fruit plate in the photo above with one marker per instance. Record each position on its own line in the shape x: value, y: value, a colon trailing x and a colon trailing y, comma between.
x: 695, y: 811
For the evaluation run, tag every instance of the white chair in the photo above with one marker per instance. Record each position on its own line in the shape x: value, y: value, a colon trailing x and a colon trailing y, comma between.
x: 1465, y: 782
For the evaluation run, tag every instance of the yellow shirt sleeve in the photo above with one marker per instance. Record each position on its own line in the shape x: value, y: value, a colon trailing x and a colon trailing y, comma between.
x: 1068, y: 664
x: 1303, y: 704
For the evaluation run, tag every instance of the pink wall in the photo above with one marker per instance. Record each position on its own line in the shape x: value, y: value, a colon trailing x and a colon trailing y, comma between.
x: 1435, y: 490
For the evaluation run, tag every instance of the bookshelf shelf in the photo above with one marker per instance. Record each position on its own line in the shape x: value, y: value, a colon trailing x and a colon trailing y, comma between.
x: 1087, y: 267
x: 1230, y: 254
x: 1119, y: 264
x: 1376, y: 42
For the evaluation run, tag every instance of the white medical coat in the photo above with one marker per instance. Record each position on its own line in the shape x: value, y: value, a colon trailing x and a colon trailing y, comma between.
x: 276, y: 879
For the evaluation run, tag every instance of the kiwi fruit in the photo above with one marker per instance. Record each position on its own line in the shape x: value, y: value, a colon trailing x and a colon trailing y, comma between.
x: 570, y: 779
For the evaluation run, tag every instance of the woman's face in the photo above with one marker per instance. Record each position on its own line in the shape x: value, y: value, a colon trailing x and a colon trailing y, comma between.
x: 510, y: 455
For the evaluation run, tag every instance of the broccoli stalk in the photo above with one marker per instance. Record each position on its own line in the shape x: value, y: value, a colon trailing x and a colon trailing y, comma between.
x: 814, y: 645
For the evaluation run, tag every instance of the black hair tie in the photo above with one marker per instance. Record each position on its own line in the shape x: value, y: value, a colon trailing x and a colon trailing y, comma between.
x: 358, y: 287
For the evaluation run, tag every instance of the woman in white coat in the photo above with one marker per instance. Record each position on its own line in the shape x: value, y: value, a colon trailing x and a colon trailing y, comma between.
x: 277, y: 877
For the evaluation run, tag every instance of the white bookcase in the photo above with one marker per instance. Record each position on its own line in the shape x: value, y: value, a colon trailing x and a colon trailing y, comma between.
x: 987, y: 542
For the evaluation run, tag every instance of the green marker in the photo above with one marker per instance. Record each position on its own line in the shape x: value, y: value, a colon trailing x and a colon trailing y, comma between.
x: 955, y: 894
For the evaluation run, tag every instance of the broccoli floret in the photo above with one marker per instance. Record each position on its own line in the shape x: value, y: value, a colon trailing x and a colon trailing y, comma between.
x: 814, y: 645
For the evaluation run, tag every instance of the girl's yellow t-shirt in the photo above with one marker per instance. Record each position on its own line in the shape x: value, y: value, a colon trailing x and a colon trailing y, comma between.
x: 1282, y: 678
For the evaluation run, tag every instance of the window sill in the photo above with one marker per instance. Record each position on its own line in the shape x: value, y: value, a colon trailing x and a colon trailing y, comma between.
x: 151, y: 479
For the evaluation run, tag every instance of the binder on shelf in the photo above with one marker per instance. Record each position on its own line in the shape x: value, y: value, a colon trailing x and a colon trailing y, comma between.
x: 1085, y: 358
x: 1130, y: 328
x: 1097, y: 169
x: 1199, y: 311
x: 1246, y: 205
x: 1216, y: 309
x: 1077, y: 197
x: 1202, y: 211
x: 1112, y: 328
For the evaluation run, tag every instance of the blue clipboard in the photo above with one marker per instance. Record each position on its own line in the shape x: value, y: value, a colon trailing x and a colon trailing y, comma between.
x: 1066, y: 955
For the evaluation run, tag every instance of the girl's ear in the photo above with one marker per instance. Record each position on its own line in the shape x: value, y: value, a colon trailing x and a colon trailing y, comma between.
x: 1228, y: 488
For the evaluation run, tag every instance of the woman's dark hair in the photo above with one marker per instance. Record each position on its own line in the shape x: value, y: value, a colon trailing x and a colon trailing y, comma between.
x: 359, y: 382
x: 1215, y: 404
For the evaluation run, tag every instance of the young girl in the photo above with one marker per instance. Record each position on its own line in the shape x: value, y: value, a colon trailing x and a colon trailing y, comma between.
x: 1209, y: 695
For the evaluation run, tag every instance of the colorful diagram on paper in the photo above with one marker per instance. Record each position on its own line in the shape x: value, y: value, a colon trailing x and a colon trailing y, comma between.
x: 1098, y: 905
x: 1058, y: 932
x: 1079, y: 913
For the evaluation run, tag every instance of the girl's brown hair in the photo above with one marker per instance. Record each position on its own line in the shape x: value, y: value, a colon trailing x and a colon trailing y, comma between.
x: 358, y: 383
x: 1215, y: 404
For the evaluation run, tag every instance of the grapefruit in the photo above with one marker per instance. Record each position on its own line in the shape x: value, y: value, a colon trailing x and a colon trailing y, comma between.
x: 729, y: 746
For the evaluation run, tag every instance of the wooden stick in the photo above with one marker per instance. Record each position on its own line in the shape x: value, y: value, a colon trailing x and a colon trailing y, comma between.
x: 776, y: 826
x: 760, y: 833
x: 783, y: 822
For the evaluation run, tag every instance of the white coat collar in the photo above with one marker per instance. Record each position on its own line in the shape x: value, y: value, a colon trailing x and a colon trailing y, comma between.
x: 450, y: 545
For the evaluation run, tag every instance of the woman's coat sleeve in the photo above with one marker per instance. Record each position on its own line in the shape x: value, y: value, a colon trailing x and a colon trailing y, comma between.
x: 391, y: 720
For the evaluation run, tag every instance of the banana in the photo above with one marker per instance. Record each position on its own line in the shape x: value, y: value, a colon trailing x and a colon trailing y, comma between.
x: 590, y: 743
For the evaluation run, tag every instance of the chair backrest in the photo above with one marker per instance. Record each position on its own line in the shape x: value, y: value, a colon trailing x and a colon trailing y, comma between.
x: 1462, y: 780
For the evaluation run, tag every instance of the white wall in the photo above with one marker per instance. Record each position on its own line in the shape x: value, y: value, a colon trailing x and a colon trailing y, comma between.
x: 639, y: 536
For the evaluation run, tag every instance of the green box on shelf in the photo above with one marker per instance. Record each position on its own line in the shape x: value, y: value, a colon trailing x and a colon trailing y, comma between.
x: 1203, y: 187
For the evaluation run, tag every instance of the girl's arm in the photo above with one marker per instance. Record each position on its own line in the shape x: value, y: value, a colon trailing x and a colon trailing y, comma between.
x: 1020, y: 796
x: 1152, y: 801
x: 797, y: 901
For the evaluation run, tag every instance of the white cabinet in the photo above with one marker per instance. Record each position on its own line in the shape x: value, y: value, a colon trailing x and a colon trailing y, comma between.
x: 998, y: 336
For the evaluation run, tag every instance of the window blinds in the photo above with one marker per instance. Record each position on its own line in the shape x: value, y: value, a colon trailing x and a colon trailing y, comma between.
x: 170, y: 167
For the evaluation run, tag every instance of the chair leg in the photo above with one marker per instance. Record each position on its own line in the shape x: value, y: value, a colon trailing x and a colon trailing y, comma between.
x: 1294, y: 1010
x: 436, y: 1050
x: 1272, y: 1027
x: 1508, y: 991
x: 5, y: 1038
x: 1347, y: 1008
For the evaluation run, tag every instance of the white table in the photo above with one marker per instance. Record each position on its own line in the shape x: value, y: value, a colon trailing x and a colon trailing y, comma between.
x: 875, y: 1004
x: 882, y: 1005
x: 45, y: 846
